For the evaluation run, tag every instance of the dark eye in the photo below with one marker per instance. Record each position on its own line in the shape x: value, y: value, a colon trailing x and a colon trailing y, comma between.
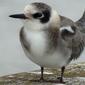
x: 37, y: 15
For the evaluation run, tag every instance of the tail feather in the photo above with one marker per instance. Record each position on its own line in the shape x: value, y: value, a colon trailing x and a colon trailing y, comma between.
x: 81, y: 23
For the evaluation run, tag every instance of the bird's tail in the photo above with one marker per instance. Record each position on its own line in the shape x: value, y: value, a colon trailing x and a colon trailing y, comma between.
x: 81, y: 23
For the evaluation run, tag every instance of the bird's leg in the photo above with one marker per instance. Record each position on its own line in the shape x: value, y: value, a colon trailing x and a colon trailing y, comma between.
x: 42, y: 70
x: 62, y: 73
x: 41, y: 77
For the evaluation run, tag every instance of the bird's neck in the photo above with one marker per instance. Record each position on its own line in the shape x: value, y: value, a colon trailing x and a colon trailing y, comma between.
x: 55, y: 19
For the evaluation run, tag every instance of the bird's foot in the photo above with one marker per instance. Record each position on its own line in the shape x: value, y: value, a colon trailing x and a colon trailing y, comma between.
x: 60, y: 80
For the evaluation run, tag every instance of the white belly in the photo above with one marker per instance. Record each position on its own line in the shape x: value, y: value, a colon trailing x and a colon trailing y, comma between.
x: 38, y: 48
x: 57, y: 59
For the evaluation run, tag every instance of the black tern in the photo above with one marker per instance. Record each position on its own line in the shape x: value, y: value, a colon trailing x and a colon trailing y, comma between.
x: 49, y: 39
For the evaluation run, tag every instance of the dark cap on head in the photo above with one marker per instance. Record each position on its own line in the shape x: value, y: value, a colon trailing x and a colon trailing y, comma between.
x: 42, y: 6
x: 45, y: 9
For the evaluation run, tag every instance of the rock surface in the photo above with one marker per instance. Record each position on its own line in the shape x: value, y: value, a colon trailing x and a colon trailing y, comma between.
x: 74, y: 75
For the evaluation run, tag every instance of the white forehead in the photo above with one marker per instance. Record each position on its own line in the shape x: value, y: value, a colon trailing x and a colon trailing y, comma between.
x: 29, y: 9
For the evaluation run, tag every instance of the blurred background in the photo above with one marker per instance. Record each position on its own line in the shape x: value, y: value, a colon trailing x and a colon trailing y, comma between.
x: 12, y: 57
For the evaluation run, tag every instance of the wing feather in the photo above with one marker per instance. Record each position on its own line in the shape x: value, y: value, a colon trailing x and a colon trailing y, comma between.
x: 76, y: 42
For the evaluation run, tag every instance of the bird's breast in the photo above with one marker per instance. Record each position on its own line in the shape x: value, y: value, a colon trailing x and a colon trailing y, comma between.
x: 37, y: 41
x: 42, y: 51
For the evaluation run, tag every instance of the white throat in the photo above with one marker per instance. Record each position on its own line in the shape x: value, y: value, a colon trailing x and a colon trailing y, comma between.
x: 35, y: 25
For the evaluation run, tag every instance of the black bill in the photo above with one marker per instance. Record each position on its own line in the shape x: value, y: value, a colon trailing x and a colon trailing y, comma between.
x: 19, y: 16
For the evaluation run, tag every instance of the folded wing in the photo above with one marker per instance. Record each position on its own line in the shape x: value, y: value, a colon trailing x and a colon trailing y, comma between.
x: 74, y: 39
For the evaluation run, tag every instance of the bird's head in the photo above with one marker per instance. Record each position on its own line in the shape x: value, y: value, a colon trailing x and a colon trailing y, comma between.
x: 39, y: 16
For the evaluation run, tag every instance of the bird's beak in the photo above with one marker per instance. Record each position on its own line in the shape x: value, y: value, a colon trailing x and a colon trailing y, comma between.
x: 18, y: 16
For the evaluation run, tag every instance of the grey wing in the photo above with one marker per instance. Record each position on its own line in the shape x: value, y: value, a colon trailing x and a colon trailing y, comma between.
x: 77, y: 48
x: 77, y: 45
x: 66, y: 21
x: 74, y: 42
x: 80, y: 23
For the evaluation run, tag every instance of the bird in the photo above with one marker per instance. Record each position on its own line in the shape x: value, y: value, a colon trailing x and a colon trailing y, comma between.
x: 49, y: 39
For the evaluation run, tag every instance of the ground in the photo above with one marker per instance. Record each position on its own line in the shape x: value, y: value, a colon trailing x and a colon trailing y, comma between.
x: 74, y: 75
